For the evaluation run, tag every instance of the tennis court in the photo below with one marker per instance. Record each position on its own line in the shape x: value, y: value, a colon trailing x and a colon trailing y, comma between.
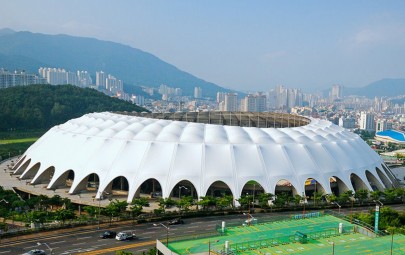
x: 280, y: 237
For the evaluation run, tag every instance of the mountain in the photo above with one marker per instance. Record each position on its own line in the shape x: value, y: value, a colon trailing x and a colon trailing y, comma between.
x: 385, y: 87
x: 44, y: 106
x: 29, y: 51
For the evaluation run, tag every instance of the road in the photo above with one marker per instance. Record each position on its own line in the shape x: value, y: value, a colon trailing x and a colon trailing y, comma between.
x: 87, y: 241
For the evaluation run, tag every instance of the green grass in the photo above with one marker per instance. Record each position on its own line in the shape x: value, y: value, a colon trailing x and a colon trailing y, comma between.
x: 14, y: 143
x: 21, y: 140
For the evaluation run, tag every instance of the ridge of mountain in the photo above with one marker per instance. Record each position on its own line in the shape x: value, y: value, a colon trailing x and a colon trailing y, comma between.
x: 135, y: 67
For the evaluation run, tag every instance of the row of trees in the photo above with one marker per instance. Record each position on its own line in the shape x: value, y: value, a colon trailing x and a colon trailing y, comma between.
x: 41, y: 209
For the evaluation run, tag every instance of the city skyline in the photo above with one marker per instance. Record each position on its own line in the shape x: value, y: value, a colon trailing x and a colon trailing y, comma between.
x: 239, y: 45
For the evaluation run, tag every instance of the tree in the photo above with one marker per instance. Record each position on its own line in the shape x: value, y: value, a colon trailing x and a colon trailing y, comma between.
x: 166, y: 203
x: 91, y: 210
x: 137, y: 206
x: 317, y: 196
x: 361, y: 195
x: 375, y: 194
x: 345, y: 197
x: 264, y: 199
x: 207, y: 202
x: 114, y: 208
x: 64, y: 214
x: 224, y: 202
x: 123, y: 253
x: 185, y: 202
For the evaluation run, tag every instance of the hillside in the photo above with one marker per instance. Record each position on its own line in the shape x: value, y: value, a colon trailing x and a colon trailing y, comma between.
x: 44, y: 106
x: 385, y: 87
x: 29, y: 51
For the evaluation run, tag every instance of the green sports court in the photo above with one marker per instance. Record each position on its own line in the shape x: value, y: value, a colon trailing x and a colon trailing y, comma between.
x: 315, y: 233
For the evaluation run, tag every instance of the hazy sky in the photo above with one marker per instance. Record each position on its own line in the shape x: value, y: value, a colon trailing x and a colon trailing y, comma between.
x: 243, y: 45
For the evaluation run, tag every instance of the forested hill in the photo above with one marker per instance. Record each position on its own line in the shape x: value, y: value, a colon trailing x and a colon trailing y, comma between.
x: 44, y: 106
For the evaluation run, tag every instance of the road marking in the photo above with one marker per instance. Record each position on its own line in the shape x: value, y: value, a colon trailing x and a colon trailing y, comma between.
x: 29, y: 247
x: 84, y: 237
x: 58, y: 242
x: 193, y: 227
x: 107, y: 250
x: 79, y: 243
x: 4, y: 251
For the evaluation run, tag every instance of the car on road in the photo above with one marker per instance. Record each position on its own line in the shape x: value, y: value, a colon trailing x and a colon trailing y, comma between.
x: 108, y: 234
x: 176, y: 221
x: 125, y: 235
x: 35, y: 252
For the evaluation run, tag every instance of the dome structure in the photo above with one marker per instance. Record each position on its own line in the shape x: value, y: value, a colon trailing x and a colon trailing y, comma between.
x: 199, y: 154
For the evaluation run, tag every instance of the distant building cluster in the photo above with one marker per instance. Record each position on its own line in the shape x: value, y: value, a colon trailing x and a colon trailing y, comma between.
x: 350, y: 112
x: 18, y: 78
x: 59, y: 76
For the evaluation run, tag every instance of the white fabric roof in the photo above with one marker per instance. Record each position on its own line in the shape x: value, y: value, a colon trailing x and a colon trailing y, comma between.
x: 138, y: 148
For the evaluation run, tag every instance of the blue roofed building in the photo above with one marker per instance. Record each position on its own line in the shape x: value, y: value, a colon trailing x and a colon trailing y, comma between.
x: 392, y: 136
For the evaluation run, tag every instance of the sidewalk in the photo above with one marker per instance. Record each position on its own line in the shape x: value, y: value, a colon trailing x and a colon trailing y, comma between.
x: 10, y: 182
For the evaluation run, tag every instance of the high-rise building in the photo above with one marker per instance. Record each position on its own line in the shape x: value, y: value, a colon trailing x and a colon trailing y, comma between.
x: 18, y: 78
x: 254, y: 103
x: 100, y: 80
x: 197, y: 92
x: 231, y: 102
x: 367, y: 121
x: 113, y: 84
x: 84, y: 79
x: 336, y: 93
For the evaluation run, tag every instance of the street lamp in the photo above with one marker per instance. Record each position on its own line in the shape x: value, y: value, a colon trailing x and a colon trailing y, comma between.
x: 3, y: 200
x: 378, y: 201
x: 50, y: 249
x: 351, y: 209
x: 209, y: 246
x: 336, y: 203
x: 100, y: 193
x: 182, y: 187
x: 167, y: 232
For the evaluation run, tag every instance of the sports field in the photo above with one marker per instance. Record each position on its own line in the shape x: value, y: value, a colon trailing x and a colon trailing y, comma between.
x: 279, y: 237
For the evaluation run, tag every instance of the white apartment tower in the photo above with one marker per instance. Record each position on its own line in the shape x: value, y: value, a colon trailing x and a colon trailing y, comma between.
x: 197, y: 92
x: 367, y: 121
x: 100, y: 80
x: 231, y: 102
x: 336, y: 93
x: 254, y: 103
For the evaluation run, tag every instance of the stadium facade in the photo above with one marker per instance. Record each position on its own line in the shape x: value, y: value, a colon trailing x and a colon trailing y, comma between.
x: 199, y: 154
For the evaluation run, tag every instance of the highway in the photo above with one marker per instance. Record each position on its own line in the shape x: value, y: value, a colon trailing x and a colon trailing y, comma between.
x: 86, y: 240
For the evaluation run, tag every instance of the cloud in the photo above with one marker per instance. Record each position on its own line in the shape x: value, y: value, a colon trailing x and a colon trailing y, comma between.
x: 375, y: 36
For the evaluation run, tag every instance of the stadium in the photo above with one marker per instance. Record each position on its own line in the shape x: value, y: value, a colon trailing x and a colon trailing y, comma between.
x: 199, y: 154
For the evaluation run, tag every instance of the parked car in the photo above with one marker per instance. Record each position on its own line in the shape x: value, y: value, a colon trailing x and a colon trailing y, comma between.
x: 35, y: 252
x: 125, y: 235
x: 108, y: 234
x: 176, y: 221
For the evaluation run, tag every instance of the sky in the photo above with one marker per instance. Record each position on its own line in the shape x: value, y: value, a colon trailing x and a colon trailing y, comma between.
x: 242, y: 45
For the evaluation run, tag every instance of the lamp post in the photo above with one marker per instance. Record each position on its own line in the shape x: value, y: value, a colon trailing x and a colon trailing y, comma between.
x: 50, y: 249
x: 182, y: 187
x: 167, y: 232
x: 378, y: 201
x: 336, y: 203
x: 351, y: 209
x: 209, y: 246
x: 99, y: 207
